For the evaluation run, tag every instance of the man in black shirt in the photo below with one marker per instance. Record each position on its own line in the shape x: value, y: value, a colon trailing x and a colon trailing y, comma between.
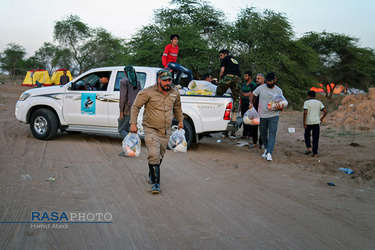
x: 230, y: 75
x: 64, y: 79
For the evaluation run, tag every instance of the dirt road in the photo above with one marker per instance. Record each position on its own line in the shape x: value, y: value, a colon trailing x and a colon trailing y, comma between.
x: 217, y: 196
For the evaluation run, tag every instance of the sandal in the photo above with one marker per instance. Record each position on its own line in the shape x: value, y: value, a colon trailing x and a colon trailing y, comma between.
x: 251, y: 146
x: 308, y: 152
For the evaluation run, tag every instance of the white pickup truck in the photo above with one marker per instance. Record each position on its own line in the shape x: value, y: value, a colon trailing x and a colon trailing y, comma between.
x: 77, y: 106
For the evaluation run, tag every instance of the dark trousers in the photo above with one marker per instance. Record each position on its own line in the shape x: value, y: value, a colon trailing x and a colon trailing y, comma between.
x: 250, y: 130
x: 315, y: 137
x: 246, y: 128
x: 124, y: 126
x: 254, y: 134
x: 180, y: 69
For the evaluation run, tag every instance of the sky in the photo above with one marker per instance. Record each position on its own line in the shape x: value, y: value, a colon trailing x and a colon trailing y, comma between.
x: 30, y: 23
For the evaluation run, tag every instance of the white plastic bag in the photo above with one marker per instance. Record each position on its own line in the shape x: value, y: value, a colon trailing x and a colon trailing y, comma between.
x: 177, y: 141
x: 196, y: 85
x: 277, y: 99
x: 251, y: 117
x: 131, y: 145
x: 183, y: 91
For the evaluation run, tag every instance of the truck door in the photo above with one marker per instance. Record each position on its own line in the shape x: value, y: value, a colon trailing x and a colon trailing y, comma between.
x: 86, y: 101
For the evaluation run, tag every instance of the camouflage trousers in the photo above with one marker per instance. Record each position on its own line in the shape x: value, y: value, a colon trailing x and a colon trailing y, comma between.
x: 232, y: 82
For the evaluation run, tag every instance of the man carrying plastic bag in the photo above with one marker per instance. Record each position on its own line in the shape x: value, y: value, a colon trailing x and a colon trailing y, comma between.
x: 269, y: 119
x: 161, y: 103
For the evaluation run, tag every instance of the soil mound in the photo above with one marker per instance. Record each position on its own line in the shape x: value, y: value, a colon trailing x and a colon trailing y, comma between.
x: 356, y: 112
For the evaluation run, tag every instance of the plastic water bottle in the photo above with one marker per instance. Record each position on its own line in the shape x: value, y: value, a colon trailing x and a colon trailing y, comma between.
x: 346, y: 170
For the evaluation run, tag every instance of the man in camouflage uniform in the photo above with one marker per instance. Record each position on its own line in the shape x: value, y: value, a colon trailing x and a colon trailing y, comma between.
x: 162, y: 103
x: 230, y: 75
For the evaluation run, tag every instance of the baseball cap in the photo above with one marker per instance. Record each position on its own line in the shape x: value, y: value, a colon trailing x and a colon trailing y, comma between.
x: 164, y: 74
x: 270, y: 76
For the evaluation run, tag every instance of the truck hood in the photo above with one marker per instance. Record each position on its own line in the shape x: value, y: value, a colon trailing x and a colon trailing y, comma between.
x: 45, y: 90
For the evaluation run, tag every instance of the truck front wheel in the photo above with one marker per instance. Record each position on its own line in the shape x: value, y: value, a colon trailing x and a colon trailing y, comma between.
x: 44, y: 124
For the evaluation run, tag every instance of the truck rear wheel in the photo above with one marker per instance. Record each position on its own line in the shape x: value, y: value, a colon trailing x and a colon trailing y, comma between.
x: 44, y: 124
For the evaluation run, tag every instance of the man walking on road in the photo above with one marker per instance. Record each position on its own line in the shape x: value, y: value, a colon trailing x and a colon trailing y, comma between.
x: 312, y: 121
x: 269, y: 119
x: 162, y: 103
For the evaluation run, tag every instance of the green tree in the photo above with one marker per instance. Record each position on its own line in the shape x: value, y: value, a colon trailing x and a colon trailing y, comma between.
x: 72, y: 33
x: 88, y: 47
x: 264, y: 42
x: 12, y: 59
x: 342, y: 61
x: 102, y: 49
x: 45, y: 56
x: 32, y: 62
x: 198, y: 25
x: 63, y: 59
x: 146, y: 46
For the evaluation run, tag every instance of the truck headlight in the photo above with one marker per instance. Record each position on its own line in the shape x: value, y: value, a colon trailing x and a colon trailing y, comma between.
x: 24, y: 96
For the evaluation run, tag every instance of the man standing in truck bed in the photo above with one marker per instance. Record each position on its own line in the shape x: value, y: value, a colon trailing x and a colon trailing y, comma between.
x: 230, y: 76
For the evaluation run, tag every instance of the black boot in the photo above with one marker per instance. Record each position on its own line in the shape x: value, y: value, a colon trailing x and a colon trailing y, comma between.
x: 151, y: 173
x: 156, y: 185
x: 157, y: 173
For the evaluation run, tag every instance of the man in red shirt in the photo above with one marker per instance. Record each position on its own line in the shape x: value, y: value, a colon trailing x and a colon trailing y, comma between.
x: 169, y: 60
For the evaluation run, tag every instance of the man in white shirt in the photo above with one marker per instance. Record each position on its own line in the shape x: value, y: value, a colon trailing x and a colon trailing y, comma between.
x: 269, y: 119
x: 311, y: 122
